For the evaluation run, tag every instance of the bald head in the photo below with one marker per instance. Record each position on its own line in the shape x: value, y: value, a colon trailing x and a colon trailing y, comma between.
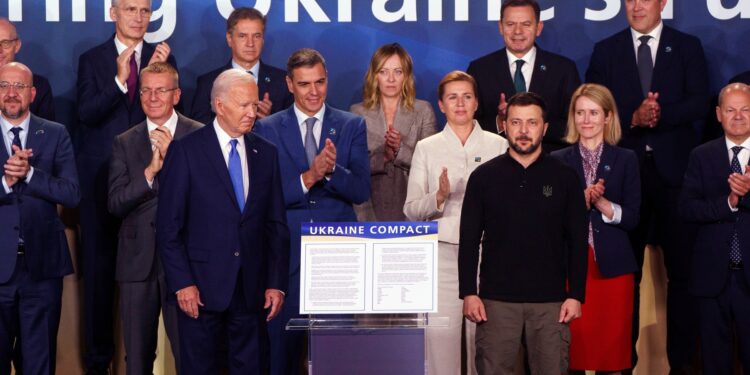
x: 732, y: 87
x: 10, y: 44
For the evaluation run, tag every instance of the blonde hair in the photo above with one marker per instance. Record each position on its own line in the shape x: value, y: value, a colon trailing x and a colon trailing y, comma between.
x: 371, y: 92
x: 456, y: 76
x: 603, y: 98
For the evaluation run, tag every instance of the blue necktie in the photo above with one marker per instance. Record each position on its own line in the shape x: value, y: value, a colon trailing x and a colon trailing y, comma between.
x: 735, y: 255
x: 16, y: 138
x: 518, y: 81
x: 235, y: 173
x: 645, y: 64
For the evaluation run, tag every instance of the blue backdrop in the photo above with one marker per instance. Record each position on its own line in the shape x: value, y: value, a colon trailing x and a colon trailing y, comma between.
x: 441, y: 35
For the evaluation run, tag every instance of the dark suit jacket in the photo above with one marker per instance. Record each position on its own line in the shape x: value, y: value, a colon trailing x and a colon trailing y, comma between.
x: 271, y: 80
x: 44, y: 103
x: 619, y: 169
x: 555, y: 78
x: 202, y: 236
x: 32, y: 207
x: 327, y: 200
x: 704, y: 201
x: 681, y: 79
x: 131, y: 199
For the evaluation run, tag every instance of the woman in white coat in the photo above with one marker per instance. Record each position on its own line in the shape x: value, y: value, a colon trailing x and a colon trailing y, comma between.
x: 441, y: 166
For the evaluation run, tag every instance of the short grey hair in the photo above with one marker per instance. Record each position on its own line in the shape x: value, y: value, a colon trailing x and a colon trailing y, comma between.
x: 737, y: 86
x: 117, y: 2
x: 225, y: 81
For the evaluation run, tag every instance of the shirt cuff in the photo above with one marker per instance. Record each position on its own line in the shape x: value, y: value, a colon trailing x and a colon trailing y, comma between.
x: 7, y: 188
x: 123, y: 88
x: 28, y: 175
x: 734, y: 209
x: 616, y: 216
x: 305, y: 190
x: 150, y: 183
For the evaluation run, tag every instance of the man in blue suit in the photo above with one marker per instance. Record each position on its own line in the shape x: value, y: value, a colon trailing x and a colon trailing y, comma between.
x: 108, y: 104
x: 715, y: 196
x: 43, y: 104
x: 246, y: 30
x: 324, y: 169
x: 39, y: 173
x: 659, y: 79
x: 221, y: 233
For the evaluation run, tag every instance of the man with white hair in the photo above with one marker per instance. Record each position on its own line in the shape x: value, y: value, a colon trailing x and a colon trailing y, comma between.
x: 221, y: 233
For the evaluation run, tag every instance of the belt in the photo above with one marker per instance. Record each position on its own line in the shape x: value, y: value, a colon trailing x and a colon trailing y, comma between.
x: 21, y: 249
x: 736, y: 265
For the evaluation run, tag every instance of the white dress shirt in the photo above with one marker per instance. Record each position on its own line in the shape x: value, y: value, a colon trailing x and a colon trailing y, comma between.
x: 122, y: 47
x: 317, y: 130
x: 226, y: 147
x: 743, y: 157
x: 444, y: 149
x: 8, y: 138
x: 526, y: 69
x: 254, y: 71
x: 653, y: 43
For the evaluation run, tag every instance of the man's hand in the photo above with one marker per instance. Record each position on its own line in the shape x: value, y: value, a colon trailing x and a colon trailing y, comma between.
x: 322, y: 165
x: 123, y: 64
x: 444, y: 188
x: 501, y: 113
x: 189, y: 298
x: 474, y: 309
x: 274, y: 300
x: 739, y: 185
x: 264, y: 106
x: 153, y: 168
x: 161, y: 53
x: 392, y: 143
x: 570, y: 310
x: 161, y: 137
x: 17, y: 167
x: 648, y: 114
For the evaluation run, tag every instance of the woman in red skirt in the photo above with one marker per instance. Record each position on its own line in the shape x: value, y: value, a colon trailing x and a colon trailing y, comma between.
x: 601, y: 338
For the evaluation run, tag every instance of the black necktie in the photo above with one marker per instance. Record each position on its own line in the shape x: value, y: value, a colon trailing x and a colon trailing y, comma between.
x: 518, y: 79
x: 645, y: 64
x: 735, y: 255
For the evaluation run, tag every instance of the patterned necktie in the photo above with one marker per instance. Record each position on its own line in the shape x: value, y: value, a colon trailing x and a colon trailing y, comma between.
x: 645, y: 64
x: 518, y: 81
x: 311, y: 149
x: 132, y: 79
x: 16, y: 130
x: 735, y: 255
x: 235, y: 173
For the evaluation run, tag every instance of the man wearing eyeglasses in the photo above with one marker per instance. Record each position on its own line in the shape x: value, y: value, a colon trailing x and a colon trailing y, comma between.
x: 39, y: 173
x: 246, y: 29
x: 137, y: 158
x: 10, y: 43
x: 108, y: 104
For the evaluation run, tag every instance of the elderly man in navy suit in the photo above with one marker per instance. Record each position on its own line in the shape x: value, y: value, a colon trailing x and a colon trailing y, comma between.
x: 659, y: 79
x: 325, y: 170
x: 715, y: 196
x: 38, y: 174
x: 246, y: 32
x: 108, y: 104
x: 222, y: 235
x: 522, y: 66
x: 10, y: 44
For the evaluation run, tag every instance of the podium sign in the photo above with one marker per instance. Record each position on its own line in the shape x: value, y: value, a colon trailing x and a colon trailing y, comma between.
x: 366, y: 268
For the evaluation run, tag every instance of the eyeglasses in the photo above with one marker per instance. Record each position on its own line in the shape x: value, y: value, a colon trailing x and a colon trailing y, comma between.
x: 159, y: 92
x: 8, y: 43
x: 133, y: 11
x: 5, y: 86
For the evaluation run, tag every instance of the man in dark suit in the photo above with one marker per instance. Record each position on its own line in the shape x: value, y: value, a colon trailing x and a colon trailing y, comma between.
x: 108, y: 104
x: 715, y: 196
x: 222, y: 235
x: 659, y: 79
x: 39, y: 173
x: 246, y: 29
x: 137, y: 157
x: 498, y: 76
x: 324, y: 169
x: 10, y: 43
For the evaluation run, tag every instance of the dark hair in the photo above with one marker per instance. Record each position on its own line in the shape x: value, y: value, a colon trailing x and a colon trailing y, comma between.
x: 525, y: 99
x: 456, y: 76
x: 521, y: 3
x: 306, y: 57
x: 245, y: 13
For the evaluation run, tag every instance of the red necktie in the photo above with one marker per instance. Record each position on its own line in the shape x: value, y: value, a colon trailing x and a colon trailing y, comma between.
x: 132, y: 78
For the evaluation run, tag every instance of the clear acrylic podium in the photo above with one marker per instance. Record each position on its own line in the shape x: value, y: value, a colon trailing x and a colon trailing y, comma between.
x: 366, y: 344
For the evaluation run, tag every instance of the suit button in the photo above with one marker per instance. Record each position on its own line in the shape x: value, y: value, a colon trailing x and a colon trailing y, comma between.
x: 312, y: 202
x: 236, y: 253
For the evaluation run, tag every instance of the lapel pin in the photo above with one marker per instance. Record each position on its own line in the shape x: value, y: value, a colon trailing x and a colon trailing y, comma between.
x: 267, y: 79
x: 255, y: 151
x: 40, y: 131
x: 477, y: 159
x: 607, y: 168
x: 331, y: 131
x: 667, y: 49
x: 543, y: 67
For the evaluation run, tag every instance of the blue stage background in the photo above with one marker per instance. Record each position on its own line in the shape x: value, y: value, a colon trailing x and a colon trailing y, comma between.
x: 195, y: 30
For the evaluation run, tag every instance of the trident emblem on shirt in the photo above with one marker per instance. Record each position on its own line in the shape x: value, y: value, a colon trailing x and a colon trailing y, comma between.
x: 547, y: 191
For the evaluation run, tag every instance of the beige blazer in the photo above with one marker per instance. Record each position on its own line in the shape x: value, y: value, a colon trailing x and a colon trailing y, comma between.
x: 389, y: 180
